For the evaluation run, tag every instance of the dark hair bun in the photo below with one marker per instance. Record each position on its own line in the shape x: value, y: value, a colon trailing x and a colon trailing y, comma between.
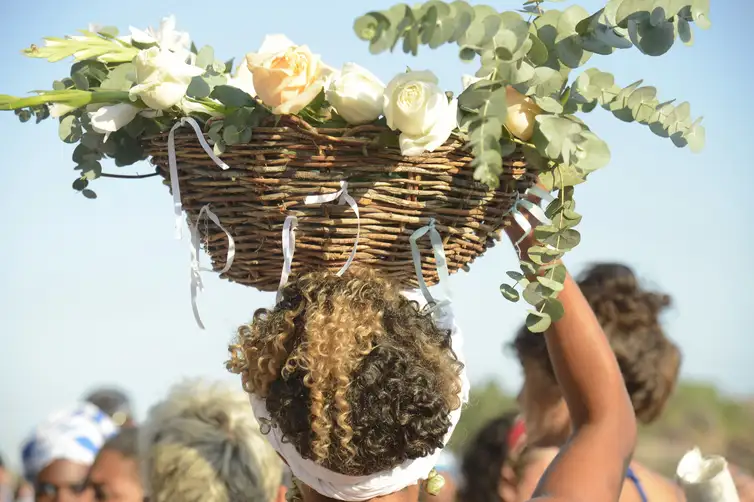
x: 649, y: 361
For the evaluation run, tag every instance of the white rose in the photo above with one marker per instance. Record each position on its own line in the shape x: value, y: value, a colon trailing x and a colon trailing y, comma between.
x: 356, y: 94
x: 417, y: 107
x: 109, y: 118
x: 162, y: 78
x: 287, y: 77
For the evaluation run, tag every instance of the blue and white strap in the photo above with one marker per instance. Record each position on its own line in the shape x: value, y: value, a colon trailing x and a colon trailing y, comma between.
x: 441, y: 262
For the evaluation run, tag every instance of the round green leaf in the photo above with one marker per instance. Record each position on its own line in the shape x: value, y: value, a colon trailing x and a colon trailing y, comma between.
x: 554, y: 309
x: 205, y: 57
x: 592, y: 153
x: 69, y: 129
x: 537, y: 322
x: 538, y: 53
x: 652, y: 40
x: 528, y: 268
x: 509, y: 292
x: 534, y: 293
x: 80, y: 183
x: 571, y: 51
x: 570, y: 18
x: 684, y: 31
x: 547, y: 27
x: 550, y: 284
x: 632, y: 10
x: 89, y: 194
x: 516, y: 276
x: 696, y: 138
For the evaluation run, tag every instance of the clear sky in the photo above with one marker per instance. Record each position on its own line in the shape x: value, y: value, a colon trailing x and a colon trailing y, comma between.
x: 97, y: 291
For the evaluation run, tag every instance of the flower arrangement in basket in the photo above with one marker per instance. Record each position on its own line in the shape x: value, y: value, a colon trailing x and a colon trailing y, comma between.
x: 265, y: 148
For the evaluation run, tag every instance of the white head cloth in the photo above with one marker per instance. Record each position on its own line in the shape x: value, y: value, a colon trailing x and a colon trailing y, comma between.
x: 76, y: 434
x: 360, y: 488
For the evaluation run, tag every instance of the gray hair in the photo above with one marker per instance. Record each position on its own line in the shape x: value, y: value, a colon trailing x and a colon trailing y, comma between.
x: 203, y: 444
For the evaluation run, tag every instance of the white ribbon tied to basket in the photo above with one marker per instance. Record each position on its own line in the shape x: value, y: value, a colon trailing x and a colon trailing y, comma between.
x: 533, y: 209
x: 291, y: 222
x: 196, y: 269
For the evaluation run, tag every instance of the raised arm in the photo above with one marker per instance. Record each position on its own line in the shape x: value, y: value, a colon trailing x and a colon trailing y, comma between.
x: 592, y: 465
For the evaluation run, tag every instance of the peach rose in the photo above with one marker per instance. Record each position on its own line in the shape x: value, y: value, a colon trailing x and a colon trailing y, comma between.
x: 522, y: 111
x: 286, y: 77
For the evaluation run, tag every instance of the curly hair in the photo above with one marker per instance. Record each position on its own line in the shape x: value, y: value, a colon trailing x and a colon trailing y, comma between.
x: 354, y: 374
x: 629, y: 315
x: 483, y: 461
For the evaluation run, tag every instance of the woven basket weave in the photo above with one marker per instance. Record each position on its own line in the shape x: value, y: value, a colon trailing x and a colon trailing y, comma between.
x: 284, y: 163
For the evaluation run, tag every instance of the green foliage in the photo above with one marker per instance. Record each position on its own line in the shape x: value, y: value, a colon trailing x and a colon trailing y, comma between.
x: 542, y: 275
x: 535, y: 53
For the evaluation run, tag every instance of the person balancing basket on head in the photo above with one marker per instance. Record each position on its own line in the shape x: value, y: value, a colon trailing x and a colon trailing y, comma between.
x: 285, y: 152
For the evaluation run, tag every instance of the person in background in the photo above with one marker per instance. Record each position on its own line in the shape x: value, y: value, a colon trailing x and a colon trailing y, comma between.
x: 24, y: 492
x: 203, y: 444
x: 498, y: 467
x: 114, y: 477
x: 115, y: 403
x: 649, y: 362
x: 60, y: 451
x: 6, y: 483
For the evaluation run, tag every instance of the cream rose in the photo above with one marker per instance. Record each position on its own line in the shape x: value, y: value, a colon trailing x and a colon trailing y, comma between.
x: 415, y: 105
x: 522, y: 110
x: 286, y: 77
x: 162, y: 78
x: 356, y: 94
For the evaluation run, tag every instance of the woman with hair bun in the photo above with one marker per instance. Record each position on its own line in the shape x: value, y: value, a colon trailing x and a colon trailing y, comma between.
x: 648, y: 360
x: 359, y: 387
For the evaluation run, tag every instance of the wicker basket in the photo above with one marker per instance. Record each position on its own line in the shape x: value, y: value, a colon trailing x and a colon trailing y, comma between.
x: 285, y: 162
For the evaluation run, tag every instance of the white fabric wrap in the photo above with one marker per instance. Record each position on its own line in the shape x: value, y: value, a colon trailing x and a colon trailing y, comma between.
x: 76, y: 434
x: 705, y: 479
x: 360, y: 488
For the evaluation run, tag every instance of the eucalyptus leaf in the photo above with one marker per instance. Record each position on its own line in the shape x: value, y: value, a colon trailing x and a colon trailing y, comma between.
x: 537, y: 322
x: 89, y: 194
x: 231, y: 96
x: 550, y: 284
x: 553, y: 308
x: 198, y: 88
x: 534, y: 293
x: 509, y: 292
x: 652, y: 40
x: 69, y: 129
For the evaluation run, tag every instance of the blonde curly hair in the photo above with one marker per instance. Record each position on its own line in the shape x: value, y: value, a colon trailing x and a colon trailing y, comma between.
x: 357, y: 377
x: 203, y: 444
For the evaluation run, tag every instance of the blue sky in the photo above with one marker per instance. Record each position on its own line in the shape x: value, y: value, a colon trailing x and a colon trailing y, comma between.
x: 97, y: 291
